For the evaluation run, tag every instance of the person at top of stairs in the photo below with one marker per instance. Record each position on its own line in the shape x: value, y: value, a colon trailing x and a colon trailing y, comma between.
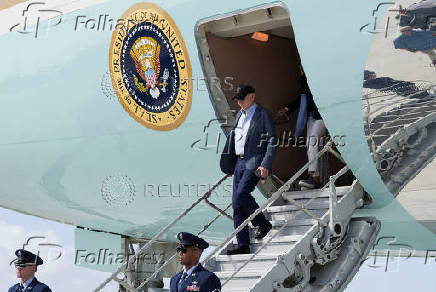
x: 248, y: 154
x: 308, y: 115
x: 193, y: 277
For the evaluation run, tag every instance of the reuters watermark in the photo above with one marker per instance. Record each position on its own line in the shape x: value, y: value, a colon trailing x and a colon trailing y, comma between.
x: 171, y: 190
x: 120, y: 190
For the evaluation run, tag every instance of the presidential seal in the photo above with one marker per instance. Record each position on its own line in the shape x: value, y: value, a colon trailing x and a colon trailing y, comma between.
x: 150, y: 68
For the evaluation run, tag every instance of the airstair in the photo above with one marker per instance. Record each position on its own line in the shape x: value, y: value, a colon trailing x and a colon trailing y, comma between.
x: 294, y: 255
x: 315, y: 243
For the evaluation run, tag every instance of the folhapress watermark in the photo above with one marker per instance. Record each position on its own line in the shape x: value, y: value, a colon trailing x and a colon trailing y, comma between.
x: 105, y: 256
x: 213, y: 138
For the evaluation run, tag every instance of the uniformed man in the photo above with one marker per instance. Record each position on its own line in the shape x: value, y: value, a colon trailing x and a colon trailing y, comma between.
x: 193, y: 277
x: 26, y: 264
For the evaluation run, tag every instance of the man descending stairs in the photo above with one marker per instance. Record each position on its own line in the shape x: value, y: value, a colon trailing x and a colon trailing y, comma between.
x: 314, y: 245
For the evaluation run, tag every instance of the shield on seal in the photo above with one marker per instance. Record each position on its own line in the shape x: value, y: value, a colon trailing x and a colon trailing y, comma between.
x: 145, y: 54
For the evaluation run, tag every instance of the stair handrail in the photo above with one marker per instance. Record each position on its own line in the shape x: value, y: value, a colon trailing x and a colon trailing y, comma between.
x: 157, y: 236
x: 222, y: 213
x: 275, y: 196
x: 271, y: 200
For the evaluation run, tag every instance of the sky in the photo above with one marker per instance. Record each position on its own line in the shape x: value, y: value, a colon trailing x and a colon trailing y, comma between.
x: 62, y: 275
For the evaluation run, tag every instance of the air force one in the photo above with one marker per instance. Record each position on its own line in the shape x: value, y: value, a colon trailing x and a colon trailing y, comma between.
x: 115, y: 114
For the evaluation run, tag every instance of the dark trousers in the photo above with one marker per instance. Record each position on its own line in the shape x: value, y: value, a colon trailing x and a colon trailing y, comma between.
x: 244, y: 182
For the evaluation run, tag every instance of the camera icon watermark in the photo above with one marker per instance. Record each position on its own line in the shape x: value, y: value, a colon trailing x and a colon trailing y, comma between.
x: 42, y: 247
x: 33, y: 15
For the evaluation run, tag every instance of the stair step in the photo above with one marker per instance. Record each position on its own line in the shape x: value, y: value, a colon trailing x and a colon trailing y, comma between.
x: 308, y: 194
x: 288, y: 234
x: 280, y: 239
x: 260, y: 263
x: 244, y: 257
x: 306, y: 201
x: 295, y: 222
x: 291, y: 207
x: 290, y: 231
x: 239, y: 275
x: 243, y: 280
x: 277, y: 246
x: 300, y: 216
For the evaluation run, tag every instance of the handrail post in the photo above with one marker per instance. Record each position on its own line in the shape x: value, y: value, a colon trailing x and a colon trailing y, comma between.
x: 336, y: 227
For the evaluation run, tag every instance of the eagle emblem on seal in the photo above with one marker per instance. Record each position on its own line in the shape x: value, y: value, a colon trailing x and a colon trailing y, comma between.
x: 146, y: 55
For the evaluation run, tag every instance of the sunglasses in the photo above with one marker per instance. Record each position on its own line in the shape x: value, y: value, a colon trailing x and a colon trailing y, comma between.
x: 183, y: 249
x: 23, y: 265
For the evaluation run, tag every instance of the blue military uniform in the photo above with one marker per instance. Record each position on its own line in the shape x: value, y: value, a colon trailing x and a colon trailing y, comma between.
x: 25, y: 258
x: 200, y: 280
x: 34, y: 286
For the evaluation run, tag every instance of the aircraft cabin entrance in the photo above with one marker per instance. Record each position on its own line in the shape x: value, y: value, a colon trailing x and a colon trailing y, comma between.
x: 257, y: 46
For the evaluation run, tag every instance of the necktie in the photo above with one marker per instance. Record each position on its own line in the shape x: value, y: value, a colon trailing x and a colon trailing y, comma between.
x: 182, y: 279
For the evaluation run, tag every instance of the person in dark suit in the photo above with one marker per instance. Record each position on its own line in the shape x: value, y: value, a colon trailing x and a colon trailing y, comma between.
x: 26, y: 264
x: 308, y: 114
x: 193, y: 277
x: 248, y: 154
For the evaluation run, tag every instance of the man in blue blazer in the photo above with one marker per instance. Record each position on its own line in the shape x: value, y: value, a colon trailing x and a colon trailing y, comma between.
x: 26, y: 264
x: 248, y: 154
x: 193, y: 277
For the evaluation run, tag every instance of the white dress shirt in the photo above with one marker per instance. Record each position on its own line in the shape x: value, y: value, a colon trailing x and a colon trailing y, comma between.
x: 241, y: 129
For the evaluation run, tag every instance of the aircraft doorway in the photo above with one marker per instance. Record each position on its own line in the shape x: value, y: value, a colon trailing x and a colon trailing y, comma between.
x: 257, y: 46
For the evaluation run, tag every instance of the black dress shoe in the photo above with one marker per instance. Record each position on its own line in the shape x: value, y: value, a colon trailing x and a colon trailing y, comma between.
x: 263, y: 231
x: 239, y: 250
